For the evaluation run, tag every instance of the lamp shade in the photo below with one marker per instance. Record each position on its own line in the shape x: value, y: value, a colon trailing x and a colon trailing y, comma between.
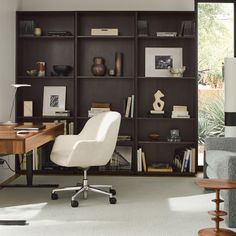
x: 16, y: 86
x: 20, y: 85
x: 230, y: 96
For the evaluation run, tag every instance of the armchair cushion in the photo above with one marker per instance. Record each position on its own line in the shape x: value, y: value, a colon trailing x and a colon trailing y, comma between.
x: 220, y: 162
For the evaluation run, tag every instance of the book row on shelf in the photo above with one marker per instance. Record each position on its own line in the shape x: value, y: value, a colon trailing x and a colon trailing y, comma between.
x: 184, y: 160
x: 128, y: 110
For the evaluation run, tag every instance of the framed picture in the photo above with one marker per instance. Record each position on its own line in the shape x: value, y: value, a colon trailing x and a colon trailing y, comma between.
x: 54, y: 99
x: 157, y: 61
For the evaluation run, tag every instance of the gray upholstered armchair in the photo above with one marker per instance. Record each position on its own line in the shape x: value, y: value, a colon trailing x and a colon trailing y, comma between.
x: 220, y: 162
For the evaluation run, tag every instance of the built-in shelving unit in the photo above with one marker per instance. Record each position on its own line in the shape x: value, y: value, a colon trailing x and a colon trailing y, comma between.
x: 83, y: 88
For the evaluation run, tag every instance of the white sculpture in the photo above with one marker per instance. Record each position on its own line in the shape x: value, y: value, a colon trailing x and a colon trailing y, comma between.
x: 158, y: 104
x: 177, y: 72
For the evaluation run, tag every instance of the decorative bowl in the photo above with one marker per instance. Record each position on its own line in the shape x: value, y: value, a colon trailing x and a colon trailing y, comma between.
x: 62, y: 70
x: 154, y: 136
x: 32, y: 72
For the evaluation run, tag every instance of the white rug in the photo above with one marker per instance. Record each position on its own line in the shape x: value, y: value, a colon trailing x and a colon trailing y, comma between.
x: 160, y: 206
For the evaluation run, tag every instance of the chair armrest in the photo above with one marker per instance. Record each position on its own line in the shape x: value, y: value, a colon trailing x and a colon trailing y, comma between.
x: 232, y: 168
x: 221, y: 143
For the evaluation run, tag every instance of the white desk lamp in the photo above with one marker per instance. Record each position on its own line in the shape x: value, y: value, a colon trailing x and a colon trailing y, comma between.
x: 16, y: 86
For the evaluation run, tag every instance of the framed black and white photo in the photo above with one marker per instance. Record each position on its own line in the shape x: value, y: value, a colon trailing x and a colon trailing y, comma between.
x: 157, y: 61
x: 54, y: 99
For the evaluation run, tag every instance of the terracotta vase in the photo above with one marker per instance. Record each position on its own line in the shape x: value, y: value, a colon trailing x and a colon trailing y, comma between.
x: 98, y: 68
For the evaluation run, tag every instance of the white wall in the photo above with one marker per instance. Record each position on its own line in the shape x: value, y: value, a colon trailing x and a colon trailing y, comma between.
x: 105, y: 5
x: 7, y: 66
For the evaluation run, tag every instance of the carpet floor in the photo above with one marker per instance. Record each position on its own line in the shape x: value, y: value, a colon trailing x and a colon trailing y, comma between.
x: 160, y: 206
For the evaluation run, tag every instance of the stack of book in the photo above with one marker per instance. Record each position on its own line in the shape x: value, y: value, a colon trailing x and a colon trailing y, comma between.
x: 160, y: 167
x: 185, y: 160
x: 62, y: 113
x: 124, y: 138
x: 129, y: 107
x: 180, y: 112
x: 166, y: 34
x: 141, y: 161
x: 98, y: 107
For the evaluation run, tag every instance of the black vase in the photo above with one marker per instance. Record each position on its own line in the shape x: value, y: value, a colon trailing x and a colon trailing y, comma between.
x: 98, y: 68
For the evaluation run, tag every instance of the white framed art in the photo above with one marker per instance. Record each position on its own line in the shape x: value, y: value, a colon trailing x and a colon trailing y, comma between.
x: 54, y: 99
x: 157, y: 61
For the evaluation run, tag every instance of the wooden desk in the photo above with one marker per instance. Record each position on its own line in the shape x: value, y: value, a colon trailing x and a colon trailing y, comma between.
x: 13, y: 143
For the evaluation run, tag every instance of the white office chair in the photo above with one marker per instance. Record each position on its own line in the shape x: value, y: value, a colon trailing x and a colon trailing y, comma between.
x: 93, y: 146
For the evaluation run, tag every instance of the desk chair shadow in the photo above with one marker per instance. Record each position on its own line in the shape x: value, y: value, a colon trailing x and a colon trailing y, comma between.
x: 93, y: 146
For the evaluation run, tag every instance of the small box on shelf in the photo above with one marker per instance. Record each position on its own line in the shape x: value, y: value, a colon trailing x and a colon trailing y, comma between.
x: 166, y: 34
x: 104, y: 32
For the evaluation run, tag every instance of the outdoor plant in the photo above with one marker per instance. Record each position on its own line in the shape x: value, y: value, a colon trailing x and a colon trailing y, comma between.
x: 211, y: 118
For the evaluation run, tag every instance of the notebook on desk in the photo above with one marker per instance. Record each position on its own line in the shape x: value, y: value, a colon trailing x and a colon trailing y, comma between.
x: 29, y: 127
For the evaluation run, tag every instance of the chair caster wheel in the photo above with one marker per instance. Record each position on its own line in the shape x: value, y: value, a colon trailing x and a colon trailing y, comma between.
x: 74, y: 203
x: 54, y: 196
x: 113, y: 191
x: 112, y: 200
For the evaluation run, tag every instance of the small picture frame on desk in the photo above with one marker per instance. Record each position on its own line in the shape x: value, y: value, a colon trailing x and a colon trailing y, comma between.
x: 28, y: 108
x: 54, y: 99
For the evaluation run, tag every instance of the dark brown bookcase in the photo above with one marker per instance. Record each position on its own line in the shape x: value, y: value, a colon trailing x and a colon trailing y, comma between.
x: 78, y: 51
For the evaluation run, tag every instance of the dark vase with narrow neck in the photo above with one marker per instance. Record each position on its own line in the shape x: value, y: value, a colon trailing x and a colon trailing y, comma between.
x: 98, y: 68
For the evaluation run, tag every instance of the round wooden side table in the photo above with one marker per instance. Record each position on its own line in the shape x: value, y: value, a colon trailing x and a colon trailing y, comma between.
x: 217, y: 185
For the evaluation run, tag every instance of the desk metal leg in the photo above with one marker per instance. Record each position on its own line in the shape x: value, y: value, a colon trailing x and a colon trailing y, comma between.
x: 29, y: 168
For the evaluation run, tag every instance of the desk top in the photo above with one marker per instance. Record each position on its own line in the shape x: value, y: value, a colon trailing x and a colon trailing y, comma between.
x: 13, y: 143
x: 216, y: 183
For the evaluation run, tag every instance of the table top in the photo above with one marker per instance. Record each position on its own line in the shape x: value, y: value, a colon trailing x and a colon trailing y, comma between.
x: 12, y: 142
x: 216, y: 183
x: 7, y: 132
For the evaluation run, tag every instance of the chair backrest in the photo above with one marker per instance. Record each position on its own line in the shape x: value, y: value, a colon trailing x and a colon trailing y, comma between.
x: 97, y: 141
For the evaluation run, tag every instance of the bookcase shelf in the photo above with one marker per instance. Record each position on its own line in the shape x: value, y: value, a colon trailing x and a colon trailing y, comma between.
x: 44, y: 77
x: 167, y: 119
x: 167, y: 78
x: 42, y: 118
x: 105, y: 77
x: 46, y: 37
x: 166, y: 37
x: 83, y: 88
x: 105, y: 37
x: 166, y: 142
